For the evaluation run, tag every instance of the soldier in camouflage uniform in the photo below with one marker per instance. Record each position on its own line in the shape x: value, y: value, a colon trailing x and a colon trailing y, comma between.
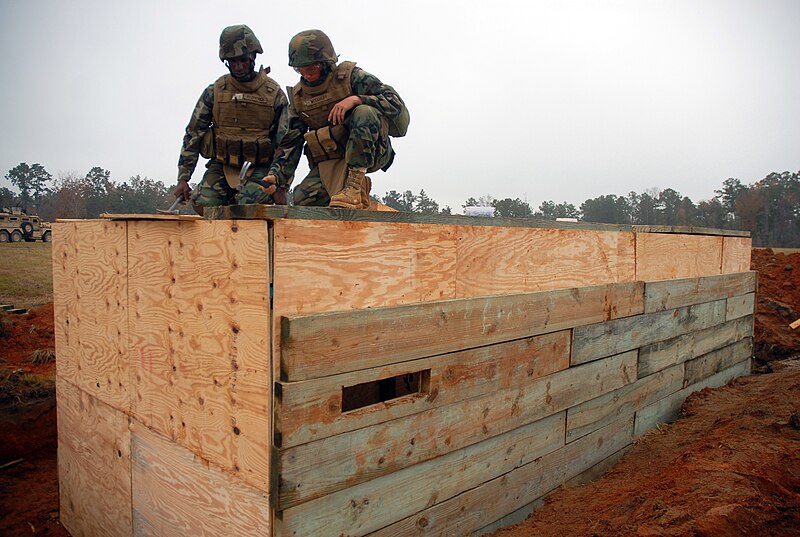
x: 338, y: 111
x: 242, y: 117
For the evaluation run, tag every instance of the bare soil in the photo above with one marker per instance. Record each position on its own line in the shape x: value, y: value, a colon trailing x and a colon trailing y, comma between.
x: 729, y: 466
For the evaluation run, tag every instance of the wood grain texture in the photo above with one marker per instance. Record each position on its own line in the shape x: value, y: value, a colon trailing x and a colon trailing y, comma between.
x: 736, y: 254
x: 668, y: 409
x: 332, y: 343
x: 335, y: 463
x: 716, y: 361
x: 586, y: 417
x: 94, y: 465
x: 372, y: 505
x: 500, y: 260
x: 664, y: 256
x: 677, y: 350
x: 669, y: 294
x: 91, y: 308
x: 613, y: 337
x: 740, y: 306
x: 690, y: 230
x: 312, y: 410
x: 199, y: 294
x: 176, y: 494
x: 478, y: 507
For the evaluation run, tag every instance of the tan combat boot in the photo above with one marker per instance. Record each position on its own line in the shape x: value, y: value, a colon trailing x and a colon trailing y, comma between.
x: 365, y: 193
x: 350, y: 195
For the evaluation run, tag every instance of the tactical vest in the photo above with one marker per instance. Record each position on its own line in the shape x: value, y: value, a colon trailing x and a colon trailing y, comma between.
x: 243, y: 114
x: 314, y: 103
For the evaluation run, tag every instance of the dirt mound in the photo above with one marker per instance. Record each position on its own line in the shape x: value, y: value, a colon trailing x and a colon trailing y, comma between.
x: 778, y: 304
x: 729, y: 467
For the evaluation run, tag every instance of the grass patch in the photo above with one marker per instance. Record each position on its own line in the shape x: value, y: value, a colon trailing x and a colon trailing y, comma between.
x: 26, y: 274
x: 43, y: 356
x: 18, y: 388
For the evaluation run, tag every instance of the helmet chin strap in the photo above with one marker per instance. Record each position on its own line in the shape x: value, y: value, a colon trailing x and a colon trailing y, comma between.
x: 251, y: 73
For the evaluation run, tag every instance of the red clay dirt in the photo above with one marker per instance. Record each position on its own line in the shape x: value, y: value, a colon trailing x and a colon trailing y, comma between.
x: 729, y: 466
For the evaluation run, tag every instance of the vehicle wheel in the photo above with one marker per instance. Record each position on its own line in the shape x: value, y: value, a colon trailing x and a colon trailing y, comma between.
x: 27, y: 230
x: 4, y: 235
x: 46, y: 237
x: 16, y: 236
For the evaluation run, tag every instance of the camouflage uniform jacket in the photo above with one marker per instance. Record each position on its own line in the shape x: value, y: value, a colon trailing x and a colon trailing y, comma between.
x: 372, y: 92
x: 202, y: 119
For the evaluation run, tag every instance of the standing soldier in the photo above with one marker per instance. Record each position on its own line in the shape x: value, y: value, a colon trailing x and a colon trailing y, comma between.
x: 240, y: 118
x: 345, y: 116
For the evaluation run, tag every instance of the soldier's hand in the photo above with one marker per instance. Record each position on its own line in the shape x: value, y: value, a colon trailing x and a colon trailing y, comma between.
x: 336, y: 116
x: 279, y: 197
x: 183, y: 189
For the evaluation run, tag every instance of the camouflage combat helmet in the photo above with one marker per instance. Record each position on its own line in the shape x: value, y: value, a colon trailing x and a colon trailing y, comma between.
x: 311, y: 46
x: 239, y: 40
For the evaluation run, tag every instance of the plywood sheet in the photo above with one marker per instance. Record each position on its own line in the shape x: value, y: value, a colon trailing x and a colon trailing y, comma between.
x: 661, y: 256
x: 669, y: 294
x: 91, y: 310
x: 94, y: 465
x: 199, y: 316
x: 312, y: 410
x: 332, y: 343
x: 736, y: 254
x: 176, y: 494
x: 502, y: 260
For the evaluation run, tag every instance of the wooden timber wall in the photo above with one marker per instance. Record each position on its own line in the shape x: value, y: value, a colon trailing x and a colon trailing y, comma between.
x: 202, y: 363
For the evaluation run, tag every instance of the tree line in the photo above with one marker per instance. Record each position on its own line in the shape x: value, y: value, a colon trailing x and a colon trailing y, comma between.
x: 769, y: 208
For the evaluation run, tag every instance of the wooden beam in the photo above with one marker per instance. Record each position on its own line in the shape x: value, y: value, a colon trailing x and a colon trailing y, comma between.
x: 670, y: 294
x: 332, y: 343
x: 690, y: 230
x: 712, y: 363
x: 740, y: 306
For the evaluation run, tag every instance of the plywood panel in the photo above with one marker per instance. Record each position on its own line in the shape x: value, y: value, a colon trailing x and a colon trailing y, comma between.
x: 604, y: 339
x: 669, y: 294
x: 664, y: 354
x: 480, y: 506
x: 712, y: 363
x: 91, y: 310
x: 502, y: 260
x: 332, y: 343
x: 344, y: 460
x: 176, y: 494
x: 94, y: 465
x: 199, y: 294
x: 661, y: 256
x: 372, y: 505
x: 312, y: 410
x: 740, y: 306
x: 736, y: 254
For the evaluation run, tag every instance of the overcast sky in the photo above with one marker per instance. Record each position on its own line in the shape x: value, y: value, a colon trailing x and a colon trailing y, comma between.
x: 561, y: 100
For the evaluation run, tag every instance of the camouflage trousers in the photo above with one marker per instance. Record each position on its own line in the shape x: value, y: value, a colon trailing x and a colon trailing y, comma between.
x: 367, y: 147
x: 214, y: 190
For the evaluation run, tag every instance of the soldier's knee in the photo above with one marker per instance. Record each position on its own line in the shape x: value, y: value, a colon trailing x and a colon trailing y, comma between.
x: 364, y: 115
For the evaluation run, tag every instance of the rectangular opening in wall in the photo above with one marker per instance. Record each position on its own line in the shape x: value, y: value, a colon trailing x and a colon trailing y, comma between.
x: 384, y: 390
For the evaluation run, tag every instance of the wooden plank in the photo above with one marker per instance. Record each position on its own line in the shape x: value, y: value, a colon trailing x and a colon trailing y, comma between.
x: 668, y: 409
x: 478, y: 507
x: 176, y: 494
x: 670, y: 294
x: 690, y: 230
x: 94, y: 465
x: 331, y: 343
x: 586, y: 417
x: 318, y: 468
x: 312, y: 410
x: 199, y: 295
x: 664, y: 257
x: 736, y: 254
x: 613, y: 337
x: 740, y: 306
x: 372, y: 505
x: 138, y: 216
x: 712, y: 363
x: 500, y: 260
x: 91, y: 308
x: 677, y: 350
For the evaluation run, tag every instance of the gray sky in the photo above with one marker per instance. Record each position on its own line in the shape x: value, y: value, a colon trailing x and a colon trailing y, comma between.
x: 561, y: 100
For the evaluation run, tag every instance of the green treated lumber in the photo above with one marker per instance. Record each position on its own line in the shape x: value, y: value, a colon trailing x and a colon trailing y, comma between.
x: 677, y: 350
x: 318, y: 468
x: 613, y: 337
x: 331, y: 343
x: 740, y: 306
x: 712, y: 363
x: 668, y: 409
x: 600, y: 411
x: 312, y: 409
x: 670, y: 294
x: 689, y: 230
x: 481, y: 506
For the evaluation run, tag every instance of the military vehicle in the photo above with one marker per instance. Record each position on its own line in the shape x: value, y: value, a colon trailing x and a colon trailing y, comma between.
x: 16, y: 226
